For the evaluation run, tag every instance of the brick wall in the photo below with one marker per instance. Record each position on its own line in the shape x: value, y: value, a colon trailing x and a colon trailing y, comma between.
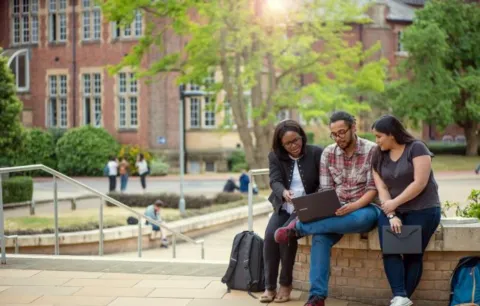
x: 357, y: 268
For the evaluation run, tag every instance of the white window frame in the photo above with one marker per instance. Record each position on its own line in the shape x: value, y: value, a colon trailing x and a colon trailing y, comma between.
x: 128, y: 101
x: 195, y: 112
x: 58, y: 93
x: 132, y: 30
x: 25, y: 23
x: 13, y: 63
x: 92, y: 92
x: 91, y: 21
x: 400, y: 47
x: 57, y: 20
x: 228, y: 121
x: 209, y: 120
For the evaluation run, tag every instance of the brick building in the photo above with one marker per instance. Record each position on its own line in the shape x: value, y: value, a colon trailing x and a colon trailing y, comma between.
x: 59, y: 51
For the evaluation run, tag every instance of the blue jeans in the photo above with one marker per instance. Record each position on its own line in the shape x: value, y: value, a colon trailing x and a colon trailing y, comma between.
x: 123, y: 182
x: 404, y: 273
x: 326, y: 233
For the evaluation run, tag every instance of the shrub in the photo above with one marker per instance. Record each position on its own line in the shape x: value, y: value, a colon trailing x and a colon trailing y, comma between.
x: 439, y: 148
x: 38, y: 148
x: 17, y: 189
x: 310, y: 137
x: 237, y: 161
x: 56, y: 133
x: 130, y: 153
x: 227, y: 197
x: 171, y: 200
x: 367, y: 135
x: 85, y: 151
x: 472, y: 210
x: 158, y: 167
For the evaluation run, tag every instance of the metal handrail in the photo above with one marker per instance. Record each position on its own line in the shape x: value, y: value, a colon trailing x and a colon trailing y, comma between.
x: 251, y: 173
x: 15, y: 238
x: 103, y: 196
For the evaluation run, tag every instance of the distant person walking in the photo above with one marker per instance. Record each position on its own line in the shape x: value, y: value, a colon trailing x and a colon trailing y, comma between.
x: 142, y: 167
x: 112, y: 169
x: 477, y: 171
x: 244, y: 181
x: 123, y: 169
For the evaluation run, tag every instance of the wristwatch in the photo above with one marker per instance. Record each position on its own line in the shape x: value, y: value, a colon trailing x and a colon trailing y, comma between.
x: 391, y: 216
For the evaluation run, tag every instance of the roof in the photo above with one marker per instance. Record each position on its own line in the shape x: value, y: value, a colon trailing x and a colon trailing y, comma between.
x: 399, y: 11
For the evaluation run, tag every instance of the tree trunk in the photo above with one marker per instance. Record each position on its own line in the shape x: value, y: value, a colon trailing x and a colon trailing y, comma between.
x: 471, y: 130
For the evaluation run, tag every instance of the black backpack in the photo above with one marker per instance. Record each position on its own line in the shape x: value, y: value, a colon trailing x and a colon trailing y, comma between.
x: 245, y: 270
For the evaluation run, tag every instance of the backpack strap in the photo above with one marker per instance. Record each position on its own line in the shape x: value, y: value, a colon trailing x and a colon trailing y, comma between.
x: 233, y: 257
x: 462, y: 262
x: 246, y: 264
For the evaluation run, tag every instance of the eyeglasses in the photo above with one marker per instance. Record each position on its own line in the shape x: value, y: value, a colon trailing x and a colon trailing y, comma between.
x: 340, y: 134
x: 292, y: 142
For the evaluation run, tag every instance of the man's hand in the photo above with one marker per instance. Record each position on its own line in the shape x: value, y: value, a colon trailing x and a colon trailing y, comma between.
x: 345, y: 209
x: 396, y: 225
x: 389, y: 207
x: 287, y: 195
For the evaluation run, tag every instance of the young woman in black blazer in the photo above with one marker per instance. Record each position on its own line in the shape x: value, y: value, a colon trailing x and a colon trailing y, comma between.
x: 294, y: 171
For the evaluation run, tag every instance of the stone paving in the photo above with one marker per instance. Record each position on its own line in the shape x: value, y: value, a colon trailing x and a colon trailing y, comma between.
x: 92, y: 281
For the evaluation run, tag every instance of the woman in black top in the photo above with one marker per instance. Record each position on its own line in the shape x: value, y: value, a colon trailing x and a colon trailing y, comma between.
x: 294, y: 171
x: 409, y: 195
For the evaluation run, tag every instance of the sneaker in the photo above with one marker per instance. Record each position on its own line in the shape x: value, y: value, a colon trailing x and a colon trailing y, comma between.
x: 401, y: 301
x: 283, y: 234
x: 315, y: 301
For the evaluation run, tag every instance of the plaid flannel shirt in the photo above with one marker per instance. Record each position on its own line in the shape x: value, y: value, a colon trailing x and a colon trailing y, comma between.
x: 351, y: 177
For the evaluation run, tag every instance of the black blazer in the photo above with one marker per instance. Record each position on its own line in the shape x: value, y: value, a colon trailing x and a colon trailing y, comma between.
x: 281, y: 172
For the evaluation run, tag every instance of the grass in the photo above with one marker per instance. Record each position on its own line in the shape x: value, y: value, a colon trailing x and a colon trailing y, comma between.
x: 87, y: 219
x: 455, y: 163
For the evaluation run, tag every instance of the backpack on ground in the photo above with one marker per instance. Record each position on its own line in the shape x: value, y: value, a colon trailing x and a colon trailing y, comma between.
x: 465, y: 282
x: 245, y: 270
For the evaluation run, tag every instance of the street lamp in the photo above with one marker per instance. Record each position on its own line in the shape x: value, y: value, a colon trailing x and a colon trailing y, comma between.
x: 194, y: 90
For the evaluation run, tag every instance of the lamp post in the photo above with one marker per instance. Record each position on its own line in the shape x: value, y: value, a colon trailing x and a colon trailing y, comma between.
x: 183, y: 94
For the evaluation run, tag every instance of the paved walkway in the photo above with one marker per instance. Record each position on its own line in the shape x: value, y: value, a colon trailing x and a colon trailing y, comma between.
x: 93, y: 282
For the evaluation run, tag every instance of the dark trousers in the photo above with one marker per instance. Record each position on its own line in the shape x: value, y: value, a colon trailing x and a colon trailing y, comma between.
x: 404, y: 272
x: 274, y: 253
x: 112, y: 182
x: 143, y: 180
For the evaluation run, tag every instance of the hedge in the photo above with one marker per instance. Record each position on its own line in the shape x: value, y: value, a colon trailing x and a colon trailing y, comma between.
x: 171, y: 200
x: 442, y: 148
x: 38, y: 148
x: 17, y: 189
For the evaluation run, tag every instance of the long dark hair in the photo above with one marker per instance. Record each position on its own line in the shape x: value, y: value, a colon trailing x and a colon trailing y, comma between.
x: 389, y: 125
x: 280, y: 130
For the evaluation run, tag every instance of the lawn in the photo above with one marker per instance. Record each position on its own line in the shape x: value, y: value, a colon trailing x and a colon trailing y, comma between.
x: 87, y: 219
x: 455, y: 163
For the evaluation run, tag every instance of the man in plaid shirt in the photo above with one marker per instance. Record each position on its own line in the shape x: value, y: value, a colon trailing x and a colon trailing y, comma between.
x: 345, y: 167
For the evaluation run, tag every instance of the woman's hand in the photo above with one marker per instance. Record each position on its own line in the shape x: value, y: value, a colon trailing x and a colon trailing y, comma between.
x: 389, y: 207
x: 396, y: 225
x: 287, y: 195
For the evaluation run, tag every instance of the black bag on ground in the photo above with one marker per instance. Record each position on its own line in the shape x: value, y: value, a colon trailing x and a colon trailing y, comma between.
x: 245, y: 270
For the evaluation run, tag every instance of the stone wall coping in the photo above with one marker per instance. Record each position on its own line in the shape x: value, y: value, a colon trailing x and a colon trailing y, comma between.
x: 453, y: 234
x: 129, y: 231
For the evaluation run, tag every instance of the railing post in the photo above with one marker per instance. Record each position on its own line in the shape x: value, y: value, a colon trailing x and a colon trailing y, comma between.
x: 174, y: 245
x: 16, y: 245
x: 32, y: 207
x: 55, y: 207
x: 250, y: 201
x: 203, y: 250
x: 100, y: 229
x: 2, y: 228
x: 73, y: 204
x: 140, y: 238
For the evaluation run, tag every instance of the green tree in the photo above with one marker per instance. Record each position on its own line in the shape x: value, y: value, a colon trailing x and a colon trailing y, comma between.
x: 260, y: 51
x: 441, y: 83
x: 10, y: 110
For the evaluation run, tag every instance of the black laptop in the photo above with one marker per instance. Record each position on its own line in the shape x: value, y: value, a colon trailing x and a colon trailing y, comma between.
x: 316, y: 206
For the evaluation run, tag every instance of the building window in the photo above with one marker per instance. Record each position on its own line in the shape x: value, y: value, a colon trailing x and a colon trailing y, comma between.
x: 194, y: 112
x: 92, y: 99
x: 20, y: 66
x: 127, y: 100
x: 209, y: 112
x: 25, y: 21
x: 400, y: 47
x: 228, y: 116
x: 57, y: 20
x: 92, y: 23
x: 209, y: 166
x: 283, y: 114
x: 57, y: 101
x: 135, y: 29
